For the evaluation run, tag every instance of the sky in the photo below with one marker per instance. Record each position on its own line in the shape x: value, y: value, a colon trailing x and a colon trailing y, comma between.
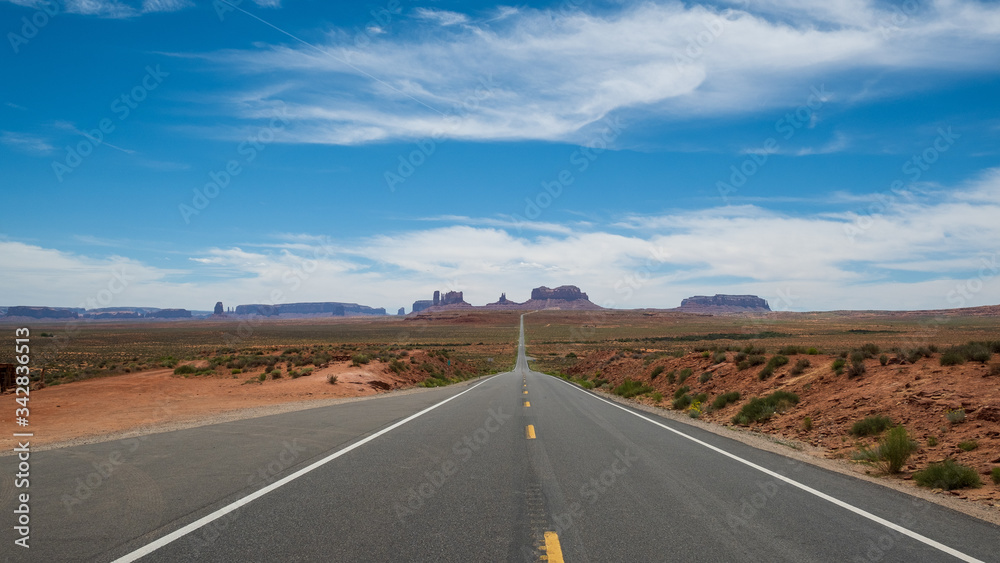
x: 822, y: 155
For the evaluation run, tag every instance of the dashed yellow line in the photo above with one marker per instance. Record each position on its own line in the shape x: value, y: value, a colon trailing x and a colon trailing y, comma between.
x: 525, y: 391
x: 527, y: 403
x: 553, y: 551
x: 530, y: 431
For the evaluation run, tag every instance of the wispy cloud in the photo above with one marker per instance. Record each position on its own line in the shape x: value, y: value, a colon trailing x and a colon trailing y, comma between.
x: 549, y: 75
x: 111, y: 9
x: 27, y: 143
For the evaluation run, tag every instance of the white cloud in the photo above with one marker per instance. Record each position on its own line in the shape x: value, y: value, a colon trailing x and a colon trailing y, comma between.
x: 24, y: 142
x: 550, y: 75
x: 112, y: 9
x: 440, y: 17
x: 918, y: 253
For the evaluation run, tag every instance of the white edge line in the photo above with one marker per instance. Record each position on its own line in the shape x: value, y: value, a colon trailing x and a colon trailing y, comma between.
x: 179, y: 533
x: 923, y: 539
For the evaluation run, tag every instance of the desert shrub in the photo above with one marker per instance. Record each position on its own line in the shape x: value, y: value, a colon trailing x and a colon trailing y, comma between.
x: 600, y: 382
x: 807, y: 423
x: 571, y: 355
x: 630, y: 388
x: 360, y: 359
x: 185, y: 369
x: 857, y: 368
x: 167, y: 361
x: 932, y: 441
x: 718, y: 357
x: 952, y: 357
x: 237, y: 371
x: 955, y: 416
x: 705, y: 377
x: 760, y: 409
x: 706, y: 354
x: 812, y: 351
x: 869, y: 350
x: 892, y: 451
x: 792, y: 350
x: 721, y: 401
x: 968, y: 445
x: 800, y: 367
x: 677, y: 353
x: 739, y: 357
x: 947, y: 475
x: 671, y: 377
x: 681, y: 390
x: 995, y: 475
x: 871, y: 425
x: 656, y: 372
x: 684, y: 374
x: 682, y: 402
x: 743, y: 365
x: 766, y: 372
x: 700, y: 397
x: 657, y: 397
x: 756, y: 360
x: 752, y: 350
x: 331, y: 379
x: 883, y: 360
x: 262, y: 377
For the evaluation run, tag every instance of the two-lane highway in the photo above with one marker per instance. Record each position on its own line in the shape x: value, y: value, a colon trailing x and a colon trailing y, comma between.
x: 517, y: 467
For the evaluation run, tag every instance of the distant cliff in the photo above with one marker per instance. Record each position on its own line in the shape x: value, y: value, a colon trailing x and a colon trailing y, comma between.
x: 724, y: 303
x: 331, y: 308
x: 42, y: 313
x: 563, y: 292
x: 169, y: 314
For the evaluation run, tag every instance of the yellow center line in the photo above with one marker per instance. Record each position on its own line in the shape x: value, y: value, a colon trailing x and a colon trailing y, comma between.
x: 527, y: 403
x: 530, y: 431
x: 525, y: 392
x: 553, y: 551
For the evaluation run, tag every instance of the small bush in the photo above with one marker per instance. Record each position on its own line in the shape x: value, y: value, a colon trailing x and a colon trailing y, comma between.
x: 237, y: 371
x: 657, y: 396
x: 869, y: 426
x: 630, y: 388
x: 705, y: 377
x: 883, y: 360
x: 723, y: 400
x: 968, y: 445
x: 600, y: 382
x: 262, y: 377
x: 684, y: 374
x: 952, y: 357
x: 760, y: 409
x: 800, y: 367
x: 671, y: 377
x: 739, y: 357
x: 571, y: 355
x: 656, y: 372
x: 869, y: 350
x: 892, y: 451
x: 360, y: 359
x: 995, y: 475
x: 932, y: 441
x: 184, y: 370
x: 766, y: 372
x: 956, y: 416
x: 807, y: 423
x: 812, y: 351
x: 718, y: 357
x: 740, y: 366
x: 857, y: 368
x: 947, y: 475
x: 756, y: 360
x: 331, y: 379
x: 838, y: 366
x: 682, y: 402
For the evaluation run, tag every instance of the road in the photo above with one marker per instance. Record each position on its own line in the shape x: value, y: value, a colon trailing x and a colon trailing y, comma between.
x: 515, y: 467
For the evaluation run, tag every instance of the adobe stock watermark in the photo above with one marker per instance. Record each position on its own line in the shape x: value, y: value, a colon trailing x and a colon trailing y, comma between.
x: 901, y: 15
x: 580, y: 160
x: 87, y: 486
x: 913, y: 168
x: 31, y: 26
x: 462, y: 451
x: 787, y: 126
x: 408, y: 163
x: 248, y: 150
x: 593, y: 489
x: 122, y: 106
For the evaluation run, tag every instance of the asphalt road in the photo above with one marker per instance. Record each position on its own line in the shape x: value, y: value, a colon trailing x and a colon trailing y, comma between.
x: 510, y: 468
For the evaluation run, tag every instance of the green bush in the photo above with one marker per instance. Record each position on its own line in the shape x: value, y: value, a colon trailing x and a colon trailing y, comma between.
x: 237, y: 371
x: 857, y: 368
x: 740, y: 366
x: 869, y: 426
x: 657, y: 397
x: 760, y: 409
x: 838, y: 365
x: 807, y: 423
x: 630, y: 388
x: 968, y: 445
x: 684, y: 374
x: 262, y: 377
x: 682, y: 402
x: 931, y: 441
x: 947, y: 475
x: 723, y: 400
x: 184, y: 369
x: 360, y: 359
x: 869, y: 350
x: 739, y: 357
x: 681, y: 390
x: 956, y: 416
x: 883, y: 360
x: 331, y: 379
x: 571, y: 355
x: 892, y: 451
x: 705, y: 377
x: 792, y: 350
x: 600, y: 382
x: 756, y: 360
x: 719, y: 357
x: 952, y: 357
x: 812, y: 351
x: 656, y: 372
x: 995, y: 475
x: 800, y: 367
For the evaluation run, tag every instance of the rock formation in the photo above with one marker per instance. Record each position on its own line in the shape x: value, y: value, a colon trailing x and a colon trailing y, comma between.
x: 401, y: 311
x: 42, y: 313
x: 325, y: 308
x: 563, y: 292
x: 112, y: 315
x: 449, y: 299
x: 724, y: 303
x: 421, y: 305
x: 219, y: 310
x: 169, y: 314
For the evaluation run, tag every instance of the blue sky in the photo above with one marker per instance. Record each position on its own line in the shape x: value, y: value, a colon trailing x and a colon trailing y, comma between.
x: 833, y: 155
